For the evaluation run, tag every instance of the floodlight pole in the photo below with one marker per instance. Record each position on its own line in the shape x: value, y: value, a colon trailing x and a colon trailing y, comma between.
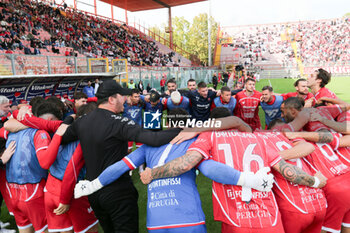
x: 170, y: 29
x: 95, y: 7
x: 209, y: 35
x: 126, y: 11
x: 112, y: 13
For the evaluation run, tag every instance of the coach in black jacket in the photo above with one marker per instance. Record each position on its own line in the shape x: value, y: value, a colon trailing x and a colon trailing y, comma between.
x: 104, y: 136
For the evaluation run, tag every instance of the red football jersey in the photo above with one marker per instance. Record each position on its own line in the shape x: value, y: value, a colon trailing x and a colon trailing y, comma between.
x: 343, y: 117
x: 325, y: 92
x: 283, y: 127
x: 344, y: 155
x: 325, y: 159
x: 295, y: 94
x: 247, y: 108
x: 244, y: 152
x: 293, y: 197
x: 330, y: 112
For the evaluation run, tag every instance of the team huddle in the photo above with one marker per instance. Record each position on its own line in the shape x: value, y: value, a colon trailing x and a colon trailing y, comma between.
x: 291, y: 177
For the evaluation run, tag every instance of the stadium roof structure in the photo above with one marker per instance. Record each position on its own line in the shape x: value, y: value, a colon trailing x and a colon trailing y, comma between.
x: 142, y: 5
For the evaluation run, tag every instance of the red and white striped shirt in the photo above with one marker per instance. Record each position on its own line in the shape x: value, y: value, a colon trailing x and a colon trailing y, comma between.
x: 330, y: 112
x: 325, y: 92
x: 247, y: 108
x: 326, y: 160
x: 293, y: 197
x: 244, y: 152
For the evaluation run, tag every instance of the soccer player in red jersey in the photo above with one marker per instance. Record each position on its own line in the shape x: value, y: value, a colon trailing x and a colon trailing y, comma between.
x: 302, y: 91
x: 80, y: 99
x: 317, y: 82
x: 293, y: 112
x: 240, y: 210
x: 80, y: 215
x: 307, y: 205
x: 247, y: 107
x: 342, y: 123
x: 338, y: 174
x: 25, y: 175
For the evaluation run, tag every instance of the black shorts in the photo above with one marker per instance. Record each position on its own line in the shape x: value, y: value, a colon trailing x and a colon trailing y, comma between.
x: 116, y: 215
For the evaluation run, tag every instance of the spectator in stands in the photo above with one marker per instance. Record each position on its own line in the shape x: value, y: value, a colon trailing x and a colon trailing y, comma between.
x: 34, y: 32
x: 214, y: 81
x: 67, y: 53
x: 148, y: 88
x: 257, y: 76
x: 27, y: 51
x: 225, y: 78
x: 162, y: 84
x: 140, y: 86
x: 82, y: 32
x: 36, y: 51
x: 9, y: 51
x: 54, y: 50
x: 96, y: 85
x: 318, y: 42
x: 89, y: 90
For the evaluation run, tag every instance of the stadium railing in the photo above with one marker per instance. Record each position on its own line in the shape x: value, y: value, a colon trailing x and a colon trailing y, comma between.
x: 19, y: 64
x: 27, y: 65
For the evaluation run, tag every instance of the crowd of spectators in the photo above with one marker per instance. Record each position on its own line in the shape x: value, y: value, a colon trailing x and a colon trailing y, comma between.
x: 94, y: 37
x: 319, y: 42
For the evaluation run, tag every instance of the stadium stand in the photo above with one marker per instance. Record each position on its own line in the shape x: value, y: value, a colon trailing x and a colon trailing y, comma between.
x: 36, y: 28
x: 321, y: 42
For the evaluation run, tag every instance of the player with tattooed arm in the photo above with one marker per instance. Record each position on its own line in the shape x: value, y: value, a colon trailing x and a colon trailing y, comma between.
x: 239, y: 209
x: 173, y: 203
x: 326, y: 160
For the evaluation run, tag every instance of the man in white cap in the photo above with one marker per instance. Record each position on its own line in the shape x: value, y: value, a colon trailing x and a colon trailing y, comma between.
x: 177, y: 101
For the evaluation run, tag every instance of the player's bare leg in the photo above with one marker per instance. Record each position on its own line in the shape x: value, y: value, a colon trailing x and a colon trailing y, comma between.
x: 345, y: 229
x: 27, y: 230
x: 94, y: 228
